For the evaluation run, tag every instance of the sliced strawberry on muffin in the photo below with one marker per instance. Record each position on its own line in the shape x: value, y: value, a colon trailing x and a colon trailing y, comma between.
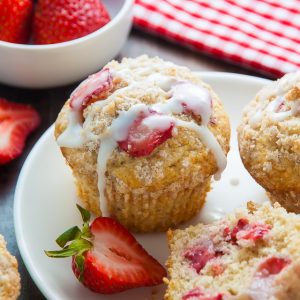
x: 142, y: 140
x: 17, y: 121
x: 95, y: 87
x: 106, y: 257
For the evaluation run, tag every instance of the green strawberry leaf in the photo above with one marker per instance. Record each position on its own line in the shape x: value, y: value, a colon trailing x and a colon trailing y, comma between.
x: 61, y: 253
x: 85, y: 214
x: 78, y: 246
x: 79, y: 260
x: 69, y: 235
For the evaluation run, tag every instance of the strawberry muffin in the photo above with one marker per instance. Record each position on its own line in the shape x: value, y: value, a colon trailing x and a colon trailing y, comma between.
x: 143, y: 138
x: 9, y: 275
x: 249, y: 255
x: 269, y: 140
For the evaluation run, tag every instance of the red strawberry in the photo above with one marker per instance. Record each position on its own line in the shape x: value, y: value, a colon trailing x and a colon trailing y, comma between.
x: 16, y: 122
x: 57, y: 21
x: 249, y: 231
x: 106, y: 258
x: 272, y: 266
x: 95, y: 86
x: 199, y: 294
x: 201, y: 254
x: 15, y: 17
x: 142, y: 140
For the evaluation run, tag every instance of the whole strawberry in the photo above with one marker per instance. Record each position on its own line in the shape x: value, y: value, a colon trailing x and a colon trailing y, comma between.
x: 57, y: 21
x: 106, y: 257
x: 15, y: 20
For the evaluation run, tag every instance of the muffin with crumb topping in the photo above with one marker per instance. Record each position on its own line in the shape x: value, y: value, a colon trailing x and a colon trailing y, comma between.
x: 9, y: 275
x: 269, y: 140
x: 143, y: 138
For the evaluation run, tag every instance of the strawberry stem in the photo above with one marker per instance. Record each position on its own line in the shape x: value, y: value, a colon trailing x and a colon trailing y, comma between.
x: 69, y: 235
x: 75, y: 242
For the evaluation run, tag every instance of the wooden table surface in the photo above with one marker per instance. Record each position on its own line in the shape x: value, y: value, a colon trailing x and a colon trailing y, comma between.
x: 49, y: 101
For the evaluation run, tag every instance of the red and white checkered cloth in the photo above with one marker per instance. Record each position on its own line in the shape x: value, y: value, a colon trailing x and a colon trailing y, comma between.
x: 263, y: 35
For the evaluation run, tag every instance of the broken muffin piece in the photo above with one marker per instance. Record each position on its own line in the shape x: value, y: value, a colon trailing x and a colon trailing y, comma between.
x: 252, y: 254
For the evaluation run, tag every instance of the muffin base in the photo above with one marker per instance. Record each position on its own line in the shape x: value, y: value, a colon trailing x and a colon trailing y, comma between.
x: 289, y: 200
x: 145, y: 212
x: 148, y: 213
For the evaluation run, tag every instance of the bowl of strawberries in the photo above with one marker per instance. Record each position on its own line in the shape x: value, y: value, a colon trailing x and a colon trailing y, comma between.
x: 47, y: 43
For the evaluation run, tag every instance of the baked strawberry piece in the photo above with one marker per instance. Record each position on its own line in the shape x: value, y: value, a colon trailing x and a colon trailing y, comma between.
x: 94, y: 88
x: 249, y: 255
x: 142, y: 140
x: 57, y: 21
x: 15, y: 20
x: 17, y: 121
x: 106, y: 257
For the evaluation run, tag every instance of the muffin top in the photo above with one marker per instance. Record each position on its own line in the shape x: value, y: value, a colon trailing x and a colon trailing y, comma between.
x: 9, y: 275
x: 269, y: 135
x: 148, y: 112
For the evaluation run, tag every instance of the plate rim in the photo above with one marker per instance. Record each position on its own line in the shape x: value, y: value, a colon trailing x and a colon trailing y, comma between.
x: 21, y: 243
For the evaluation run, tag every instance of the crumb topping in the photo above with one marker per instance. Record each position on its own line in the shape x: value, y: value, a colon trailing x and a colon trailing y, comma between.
x: 269, y: 135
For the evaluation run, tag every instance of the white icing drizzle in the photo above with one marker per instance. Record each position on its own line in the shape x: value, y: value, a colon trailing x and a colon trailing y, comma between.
x: 273, y: 112
x: 210, y: 142
x: 73, y: 136
x: 274, y: 105
x: 117, y: 131
x: 256, y: 118
x: 185, y: 96
x: 107, y: 146
x: 163, y: 81
x: 163, y: 122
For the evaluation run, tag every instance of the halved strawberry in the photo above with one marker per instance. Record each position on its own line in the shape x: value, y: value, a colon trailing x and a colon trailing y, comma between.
x: 106, y: 258
x: 142, y: 140
x: 96, y: 86
x: 17, y: 121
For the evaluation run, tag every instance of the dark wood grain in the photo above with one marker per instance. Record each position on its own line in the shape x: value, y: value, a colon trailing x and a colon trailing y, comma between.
x: 49, y: 101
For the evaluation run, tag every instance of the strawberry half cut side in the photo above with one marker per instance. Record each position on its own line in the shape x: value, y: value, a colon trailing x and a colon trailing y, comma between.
x: 106, y: 257
x: 95, y: 87
x: 17, y: 121
x: 141, y: 139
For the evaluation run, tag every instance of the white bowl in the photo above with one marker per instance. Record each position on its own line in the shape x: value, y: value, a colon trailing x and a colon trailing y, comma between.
x: 41, y: 66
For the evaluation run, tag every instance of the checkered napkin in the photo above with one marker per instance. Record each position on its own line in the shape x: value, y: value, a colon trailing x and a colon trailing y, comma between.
x: 263, y: 35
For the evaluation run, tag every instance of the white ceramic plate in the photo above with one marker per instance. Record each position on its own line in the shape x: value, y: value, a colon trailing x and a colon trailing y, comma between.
x: 45, y: 201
